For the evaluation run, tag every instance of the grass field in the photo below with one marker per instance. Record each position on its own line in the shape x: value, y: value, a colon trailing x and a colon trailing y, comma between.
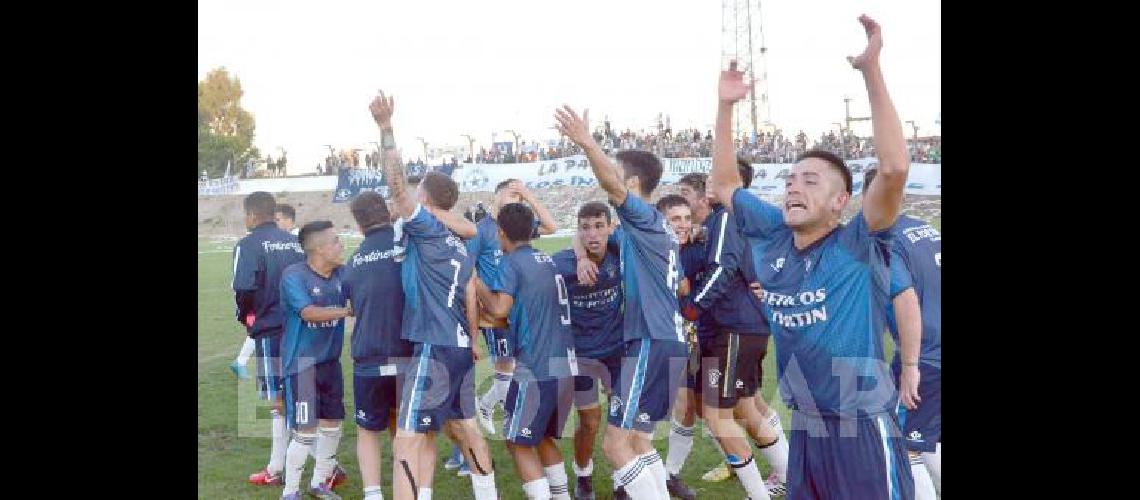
x: 233, y: 429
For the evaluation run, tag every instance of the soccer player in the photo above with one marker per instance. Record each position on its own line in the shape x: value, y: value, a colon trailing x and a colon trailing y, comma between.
x: 595, y: 320
x: 915, y: 315
x: 486, y: 251
x: 438, y: 388
x: 655, y: 346
x: 826, y: 295
x: 315, y: 306
x: 259, y: 259
x: 534, y: 295
x: 372, y: 285
x: 286, y: 218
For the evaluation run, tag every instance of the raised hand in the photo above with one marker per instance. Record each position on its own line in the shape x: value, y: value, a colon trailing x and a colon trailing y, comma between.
x: 575, y: 128
x: 382, y: 108
x: 870, y: 56
x: 732, y: 87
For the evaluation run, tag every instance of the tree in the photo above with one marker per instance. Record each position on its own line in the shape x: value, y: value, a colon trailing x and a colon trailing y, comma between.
x: 225, y: 130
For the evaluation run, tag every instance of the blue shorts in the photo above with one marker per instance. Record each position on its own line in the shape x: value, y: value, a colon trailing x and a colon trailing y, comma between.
x: 651, y: 372
x: 833, y: 458
x: 267, y: 351
x: 438, y: 385
x: 923, y: 425
x: 498, y: 343
x: 376, y: 395
x: 317, y: 392
x: 536, y: 409
x: 604, y: 369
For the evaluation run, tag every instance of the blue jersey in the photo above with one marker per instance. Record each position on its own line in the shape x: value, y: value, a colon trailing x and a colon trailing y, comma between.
x: 650, y: 269
x: 259, y: 259
x: 595, y: 310
x: 307, y: 343
x: 372, y: 283
x: 540, y: 315
x: 827, y: 307
x: 485, y: 249
x: 916, y: 261
x: 693, y: 256
x: 724, y: 291
x: 435, y: 275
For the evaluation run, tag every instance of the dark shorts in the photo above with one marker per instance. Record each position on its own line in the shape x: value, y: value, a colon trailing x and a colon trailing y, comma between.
x: 833, y: 458
x: 536, y: 409
x: 267, y: 351
x: 589, y: 369
x: 376, y: 395
x: 498, y: 343
x: 438, y: 385
x: 315, y: 393
x: 923, y: 425
x: 730, y: 364
x: 651, y: 372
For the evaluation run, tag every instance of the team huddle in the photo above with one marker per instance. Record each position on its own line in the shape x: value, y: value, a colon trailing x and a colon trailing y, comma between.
x: 667, y: 308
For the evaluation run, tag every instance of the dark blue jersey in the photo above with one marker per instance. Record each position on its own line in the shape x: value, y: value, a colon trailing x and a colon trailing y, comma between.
x: 916, y: 261
x: 827, y: 307
x: 540, y: 316
x: 485, y: 249
x: 435, y: 275
x: 724, y: 291
x: 595, y: 310
x: 372, y: 283
x: 307, y: 343
x: 259, y: 259
x: 693, y: 257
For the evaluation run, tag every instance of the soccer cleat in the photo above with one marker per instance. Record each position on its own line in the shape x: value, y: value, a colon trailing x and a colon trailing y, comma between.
x: 620, y: 494
x: 679, y: 489
x: 464, y: 470
x: 266, y: 478
x: 775, y: 487
x: 717, y: 474
x: 454, y: 461
x: 239, y: 370
x: 485, y: 415
x: 584, y: 490
x: 324, y: 492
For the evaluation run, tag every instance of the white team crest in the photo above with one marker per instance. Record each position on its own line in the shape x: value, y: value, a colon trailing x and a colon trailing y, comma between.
x: 426, y: 420
x: 778, y: 265
x: 915, y: 436
x: 644, y: 417
x: 714, y: 377
x: 615, y: 405
x: 316, y: 291
x: 525, y: 432
x: 739, y: 384
x: 360, y: 414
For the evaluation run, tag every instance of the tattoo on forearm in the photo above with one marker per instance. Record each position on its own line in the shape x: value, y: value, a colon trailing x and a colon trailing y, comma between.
x: 394, y: 173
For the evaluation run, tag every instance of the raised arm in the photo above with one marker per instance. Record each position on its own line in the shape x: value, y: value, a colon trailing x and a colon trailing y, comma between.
x: 403, y: 203
x: 725, y: 178
x: 577, y: 129
x: 455, y: 222
x: 546, y: 221
x: 883, y: 200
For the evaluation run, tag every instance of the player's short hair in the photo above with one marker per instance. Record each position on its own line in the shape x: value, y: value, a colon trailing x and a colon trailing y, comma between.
x: 517, y: 221
x: 695, y: 180
x: 594, y: 209
x: 669, y: 201
x: 833, y: 160
x: 745, y: 170
x: 287, y: 209
x: 869, y: 176
x: 369, y: 209
x: 307, y: 236
x: 442, y: 190
x: 645, y: 165
x: 260, y: 203
x: 503, y: 185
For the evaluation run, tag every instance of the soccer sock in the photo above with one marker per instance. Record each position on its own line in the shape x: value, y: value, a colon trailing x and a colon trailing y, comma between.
x: 680, y: 444
x: 559, y: 483
x: 498, y: 390
x: 484, y: 486
x: 749, y: 477
x: 777, y: 455
x: 653, y: 464
x: 637, y: 481
x: 245, y: 352
x: 934, y: 465
x: 774, y: 421
x: 583, y: 471
x: 537, y: 489
x: 373, y: 493
x: 424, y: 494
x: 295, y: 460
x: 280, y: 443
x: 325, y: 454
x: 923, y: 486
